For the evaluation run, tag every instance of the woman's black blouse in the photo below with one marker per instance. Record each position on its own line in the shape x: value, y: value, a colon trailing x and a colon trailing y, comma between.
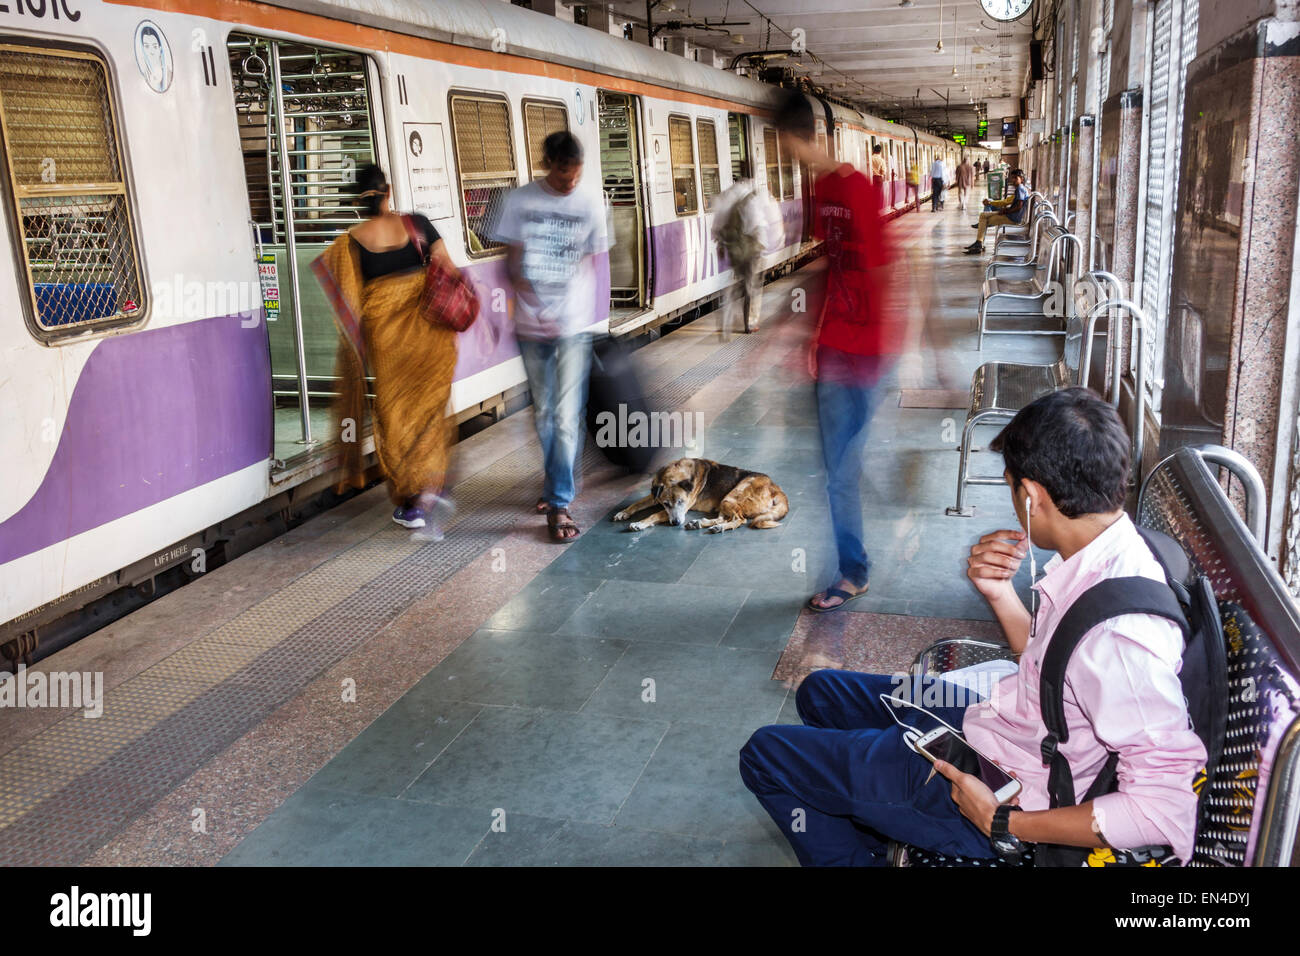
x: 376, y: 264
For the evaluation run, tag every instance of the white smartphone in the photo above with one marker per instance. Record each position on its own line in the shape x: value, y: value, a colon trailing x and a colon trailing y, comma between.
x: 943, y: 744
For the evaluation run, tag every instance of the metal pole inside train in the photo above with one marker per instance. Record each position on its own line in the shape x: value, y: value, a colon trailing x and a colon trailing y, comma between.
x: 290, y: 245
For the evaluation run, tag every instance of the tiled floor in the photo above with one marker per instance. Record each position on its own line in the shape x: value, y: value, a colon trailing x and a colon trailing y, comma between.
x: 596, y: 717
x: 344, y: 696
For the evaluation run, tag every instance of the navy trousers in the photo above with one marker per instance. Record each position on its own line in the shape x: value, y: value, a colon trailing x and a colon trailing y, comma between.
x: 845, y: 783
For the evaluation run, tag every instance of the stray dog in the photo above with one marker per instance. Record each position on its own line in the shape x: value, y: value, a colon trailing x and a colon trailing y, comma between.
x: 732, y: 495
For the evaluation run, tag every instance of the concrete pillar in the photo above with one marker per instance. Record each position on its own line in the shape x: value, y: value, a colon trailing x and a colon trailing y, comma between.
x: 1230, y: 356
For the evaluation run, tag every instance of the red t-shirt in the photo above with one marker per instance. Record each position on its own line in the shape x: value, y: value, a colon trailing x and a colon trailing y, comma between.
x: 855, y: 318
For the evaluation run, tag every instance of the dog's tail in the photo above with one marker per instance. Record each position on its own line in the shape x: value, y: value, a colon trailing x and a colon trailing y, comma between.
x: 769, y: 518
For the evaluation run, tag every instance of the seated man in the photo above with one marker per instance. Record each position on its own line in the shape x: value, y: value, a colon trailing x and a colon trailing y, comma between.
x: 1010, y: 210
x: 846, y: 781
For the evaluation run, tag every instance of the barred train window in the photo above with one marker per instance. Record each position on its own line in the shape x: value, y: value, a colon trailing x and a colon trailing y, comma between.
x: 787, y: 176
x: 68, y: 190
x: 540, y: 121
x: 485, y: 160
x: 710, y: 175
x: 771, y: 159
x: 683, y: 156
x: 737, y: 146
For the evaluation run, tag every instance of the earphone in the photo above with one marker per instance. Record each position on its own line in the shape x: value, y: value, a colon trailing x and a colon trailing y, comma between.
x: 1033, y: 566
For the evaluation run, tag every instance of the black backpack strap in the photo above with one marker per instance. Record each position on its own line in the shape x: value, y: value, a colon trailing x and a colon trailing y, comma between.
x: 1107, y: 599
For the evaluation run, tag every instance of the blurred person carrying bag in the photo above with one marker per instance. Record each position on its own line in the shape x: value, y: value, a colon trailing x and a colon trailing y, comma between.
x: 447, y: 298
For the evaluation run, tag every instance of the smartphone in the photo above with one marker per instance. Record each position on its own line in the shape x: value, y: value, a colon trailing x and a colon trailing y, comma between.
x: 943, y: 744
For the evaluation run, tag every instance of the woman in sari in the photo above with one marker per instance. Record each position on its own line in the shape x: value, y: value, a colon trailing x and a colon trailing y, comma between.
x: 374, y: 275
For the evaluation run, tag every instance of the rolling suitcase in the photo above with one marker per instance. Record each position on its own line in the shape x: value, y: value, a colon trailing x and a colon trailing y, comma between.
x: 615, y: 390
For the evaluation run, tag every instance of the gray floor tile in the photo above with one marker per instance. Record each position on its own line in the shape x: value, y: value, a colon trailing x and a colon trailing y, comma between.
x: 525, y: 669
x: 568, y: 766
x: 544, y: 603
x: 710, y: 685
x: 396, y: 748
x: 773, y: 852
x: 766, y: 620
x: 661, y: 553
x: 692, y: 786
x: 648, y: 611
x: 322, y: 827
x: 585, y: 844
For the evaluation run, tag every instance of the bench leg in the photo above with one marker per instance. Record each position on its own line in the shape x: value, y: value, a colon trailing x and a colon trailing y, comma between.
x: 961, y: 509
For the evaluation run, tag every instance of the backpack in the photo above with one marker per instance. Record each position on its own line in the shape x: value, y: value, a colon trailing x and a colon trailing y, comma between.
x: 1187, y: 600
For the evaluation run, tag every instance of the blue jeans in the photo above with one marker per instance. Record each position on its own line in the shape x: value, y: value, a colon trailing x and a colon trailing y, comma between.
x: 846, y: 397
x: 845, y: 783
x: 557, y: 378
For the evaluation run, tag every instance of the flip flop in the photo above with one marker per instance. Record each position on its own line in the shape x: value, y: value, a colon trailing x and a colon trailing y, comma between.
x: 844, y: 596
x: 559, y: 520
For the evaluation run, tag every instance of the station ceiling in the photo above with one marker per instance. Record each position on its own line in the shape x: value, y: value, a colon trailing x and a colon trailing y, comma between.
x: 882, y: 55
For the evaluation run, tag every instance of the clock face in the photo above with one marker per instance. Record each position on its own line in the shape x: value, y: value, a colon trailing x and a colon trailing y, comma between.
x: 1006, y: 10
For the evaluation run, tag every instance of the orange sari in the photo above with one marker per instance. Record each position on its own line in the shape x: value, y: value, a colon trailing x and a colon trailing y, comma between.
x: 412, y: 361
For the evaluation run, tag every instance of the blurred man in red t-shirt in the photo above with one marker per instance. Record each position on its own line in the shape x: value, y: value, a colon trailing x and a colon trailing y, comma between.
x: 858, y: 337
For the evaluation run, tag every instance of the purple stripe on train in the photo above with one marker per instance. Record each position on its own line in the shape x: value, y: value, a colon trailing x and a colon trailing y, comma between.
x: 154, y: 413
x: 684, y: 251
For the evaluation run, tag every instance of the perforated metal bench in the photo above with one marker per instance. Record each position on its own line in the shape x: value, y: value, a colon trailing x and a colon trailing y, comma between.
x: 1027, y: 292
x: 1254, y: 797
x: 1000, y: 389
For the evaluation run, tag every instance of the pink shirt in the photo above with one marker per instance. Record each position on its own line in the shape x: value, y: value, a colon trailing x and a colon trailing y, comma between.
x: 1122, y: 695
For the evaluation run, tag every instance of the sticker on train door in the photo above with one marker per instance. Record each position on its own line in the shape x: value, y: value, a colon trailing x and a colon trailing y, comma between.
x: 268, y: 274
x: 153, y: 56
x: 426, y: 169
x: 663, y: 172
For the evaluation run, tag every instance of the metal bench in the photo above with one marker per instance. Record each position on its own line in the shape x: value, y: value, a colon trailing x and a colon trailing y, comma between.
x: 1011, y: 230
x: 1030, y: 296
x: 1022, y: 242
x: 1000, y: 389
x: 1254, y: 799
x: 1023, y: 251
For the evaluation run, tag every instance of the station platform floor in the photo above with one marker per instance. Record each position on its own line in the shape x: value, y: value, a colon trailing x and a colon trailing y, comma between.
x: 344, y: 695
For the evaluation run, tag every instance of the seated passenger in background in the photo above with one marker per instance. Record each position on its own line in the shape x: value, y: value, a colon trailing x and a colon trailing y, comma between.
x: 1008, y: 211
x: 846, y: 782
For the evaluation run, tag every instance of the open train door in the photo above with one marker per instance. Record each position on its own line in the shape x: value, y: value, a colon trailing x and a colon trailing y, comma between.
x: 620, y: 176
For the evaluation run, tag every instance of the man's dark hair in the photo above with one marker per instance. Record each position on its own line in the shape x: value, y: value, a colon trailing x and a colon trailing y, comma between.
x: 876, y: 148
x: 1073, y: 443
x: 794, y: 115
x: 561, y: 148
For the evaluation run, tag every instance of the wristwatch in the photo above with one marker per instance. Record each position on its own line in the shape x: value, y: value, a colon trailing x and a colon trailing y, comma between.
x: 1005, y: 844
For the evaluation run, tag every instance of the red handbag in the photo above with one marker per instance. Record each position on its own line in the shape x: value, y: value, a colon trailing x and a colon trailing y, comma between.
x: 447, y: 298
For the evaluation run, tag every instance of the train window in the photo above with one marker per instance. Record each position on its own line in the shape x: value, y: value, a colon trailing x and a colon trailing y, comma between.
x: 771, y: 159
x: 738, y: 143
x: 540, y: 121
x: 685, y: 199
x: 485, y: 162
x: 710, y: 174
x: 68, y: 192
x: 787, y: 175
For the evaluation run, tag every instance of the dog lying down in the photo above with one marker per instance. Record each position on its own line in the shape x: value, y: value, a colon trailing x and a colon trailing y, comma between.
x: 731, y: 496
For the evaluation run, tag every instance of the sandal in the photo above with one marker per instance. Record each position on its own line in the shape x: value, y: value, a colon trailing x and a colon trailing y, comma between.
x: 844, y: 596
x: 558, y: 523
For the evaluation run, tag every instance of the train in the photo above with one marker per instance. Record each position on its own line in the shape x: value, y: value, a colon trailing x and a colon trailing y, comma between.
x: 169, y: 381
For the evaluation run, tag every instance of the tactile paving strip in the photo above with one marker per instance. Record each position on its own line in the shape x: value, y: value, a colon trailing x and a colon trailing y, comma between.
x: 70, y: 790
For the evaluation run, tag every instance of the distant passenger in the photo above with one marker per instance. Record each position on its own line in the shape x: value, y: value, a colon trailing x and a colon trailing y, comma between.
x: 374, y: 277
x: 879, y: 168
x: 846, y: 781
x: 986, y: 168
x: 938, y: 177
x: 553, y: 229
x: 913, y: 193
x: 746, y: 222
x: 1015, y: 204
x: 965, y: 179
x: 858, y: 336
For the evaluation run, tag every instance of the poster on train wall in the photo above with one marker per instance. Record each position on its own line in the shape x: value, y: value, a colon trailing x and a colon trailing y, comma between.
x: 268, y: 275
x: 426, y: 169
x: 662, y: 169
